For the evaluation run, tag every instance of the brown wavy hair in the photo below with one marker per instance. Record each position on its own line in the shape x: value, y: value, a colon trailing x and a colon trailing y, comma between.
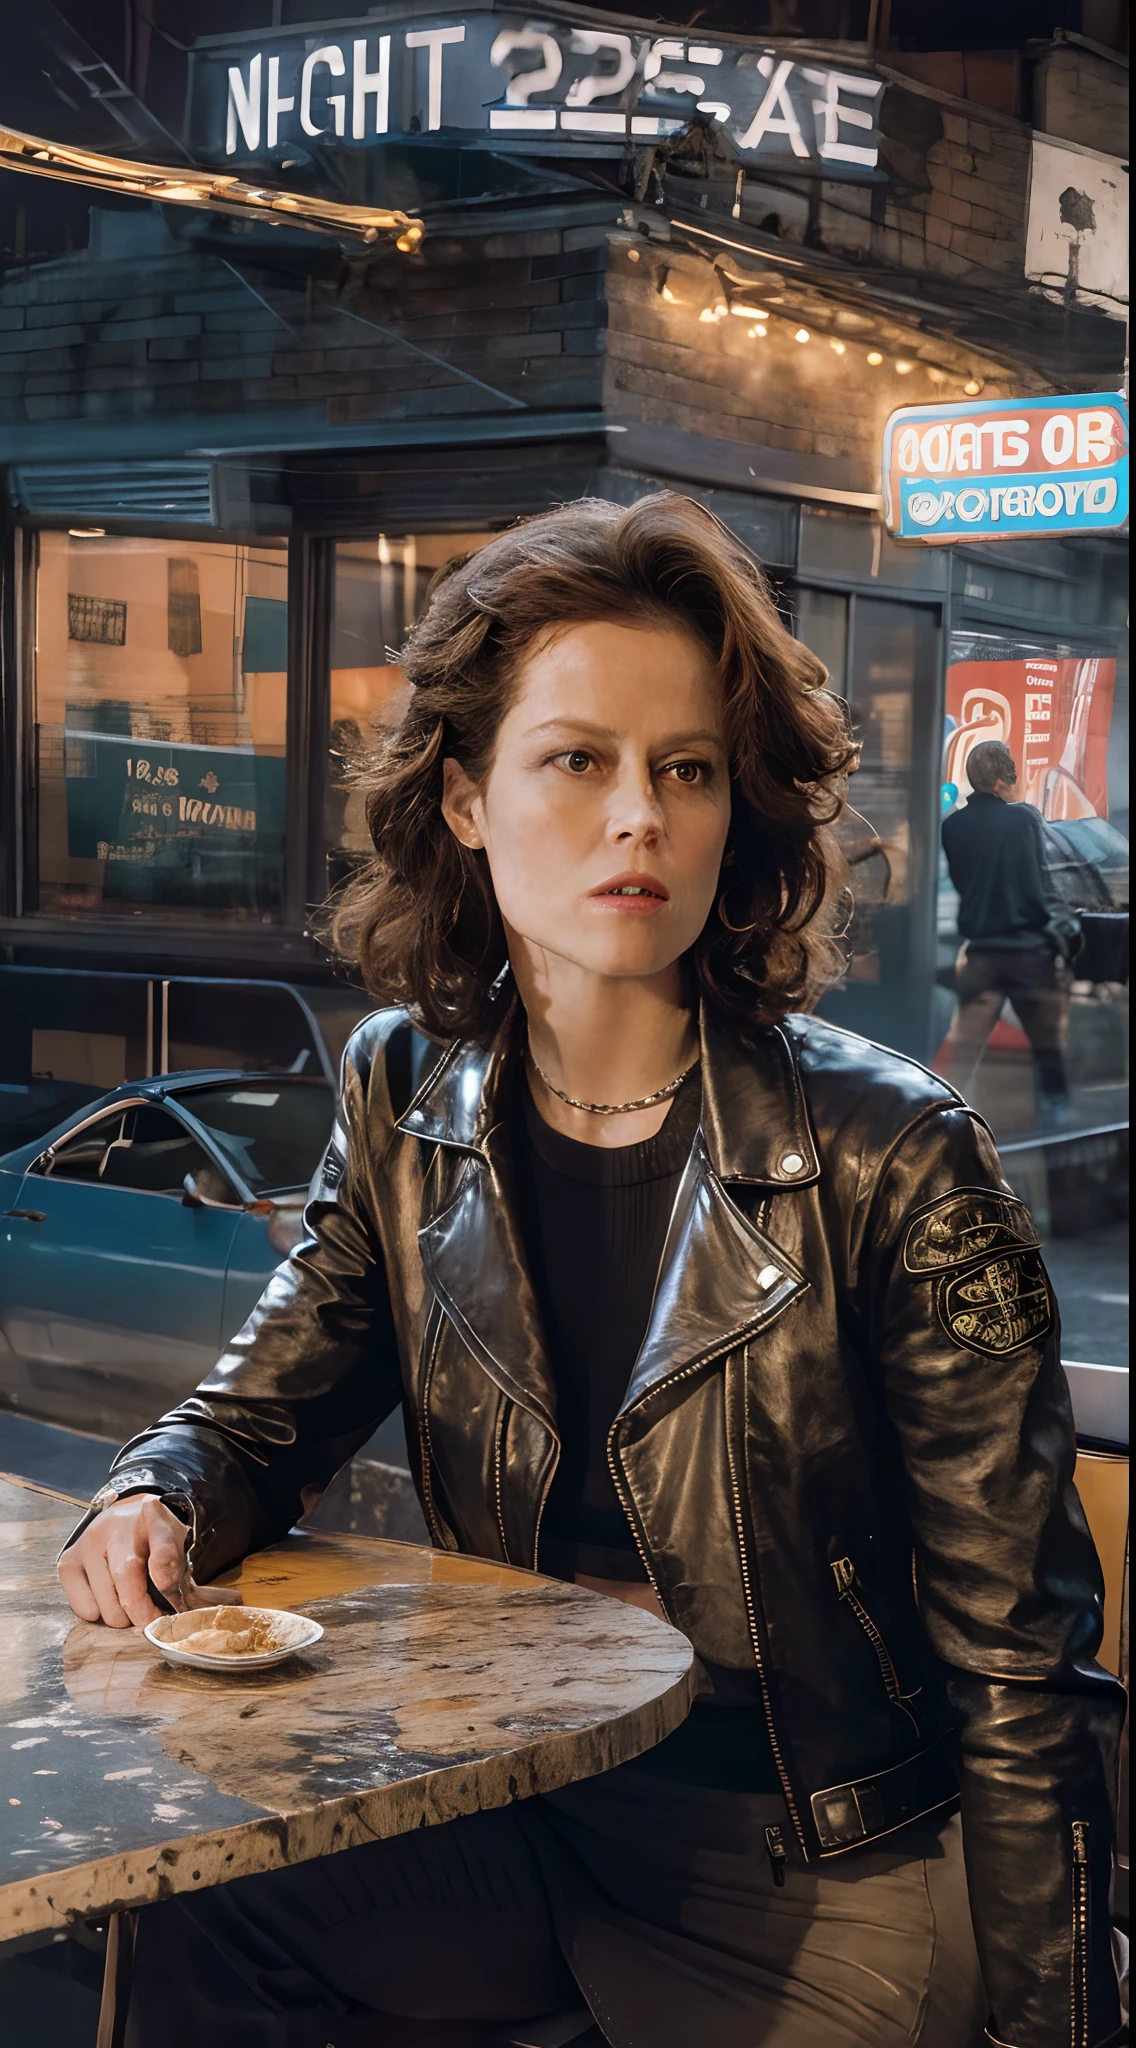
x: 421, y: 919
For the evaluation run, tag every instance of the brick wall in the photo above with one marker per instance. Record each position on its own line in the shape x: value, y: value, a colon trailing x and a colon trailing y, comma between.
x: 956, y: 197
x: 1082, y: 97
x: 669, y: 368
x: 142, y: 325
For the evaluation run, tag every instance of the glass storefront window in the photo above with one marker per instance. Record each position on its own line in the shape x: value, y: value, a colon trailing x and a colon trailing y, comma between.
x: 822, y: 623
x: 882, y: 653
x: 379, y: 589
x: 1036, y: 1034
x: 160, y: 711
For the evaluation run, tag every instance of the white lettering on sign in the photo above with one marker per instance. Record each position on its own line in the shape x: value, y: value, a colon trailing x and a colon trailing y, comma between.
x: 1057, y: 438
x: 332, y: 56
x: 1094, y: 437
x: 276, y: 104
x: 367, y: 85
x: 831, y: 111
x: 1014, y: 501
x: 939, y: 452
x: 767, y: 120
x: 601, y: 84
x: 435, y: 40
x: 631, y: 85
x: 523, y: 83
x: 244, y: 107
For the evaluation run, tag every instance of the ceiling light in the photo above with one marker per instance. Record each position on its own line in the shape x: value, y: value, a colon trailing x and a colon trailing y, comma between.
x: 758, y: 333
x: 669, y: 296
x: 903, y: 368
x: 972, y: 387
x: 86, y: 532
x: 837, y: 347
x: 802, y: 334
x: 875, y: 358
x: 745, y: 312
x: 710, y: 315
x: 633, y: 255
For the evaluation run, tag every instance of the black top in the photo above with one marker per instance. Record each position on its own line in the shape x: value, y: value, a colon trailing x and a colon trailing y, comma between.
x: 594, y: 1222
x: 996, y: 855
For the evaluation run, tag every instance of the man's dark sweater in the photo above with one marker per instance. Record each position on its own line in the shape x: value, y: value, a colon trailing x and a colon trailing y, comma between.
x: 996, y: 856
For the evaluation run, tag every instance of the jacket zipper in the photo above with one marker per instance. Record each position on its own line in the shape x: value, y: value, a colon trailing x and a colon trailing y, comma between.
x: 708, y: 1358
x: 755, y: 1639
x: 424, y: 1432
x: 1079, y: 1999
x: 844, y: 1572
x: 498, y: 1462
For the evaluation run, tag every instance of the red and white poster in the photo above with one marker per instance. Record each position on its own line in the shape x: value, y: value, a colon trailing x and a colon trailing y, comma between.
x: 1053, y: 710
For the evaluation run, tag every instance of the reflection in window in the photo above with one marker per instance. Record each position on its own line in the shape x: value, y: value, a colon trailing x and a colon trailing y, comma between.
x: 380, y: 588
x: 1035, y: 1032
x: 161, y: 687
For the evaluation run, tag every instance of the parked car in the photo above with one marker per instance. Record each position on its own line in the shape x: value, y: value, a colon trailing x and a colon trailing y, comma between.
x: 1088, y: 863
x: 136, y: 1237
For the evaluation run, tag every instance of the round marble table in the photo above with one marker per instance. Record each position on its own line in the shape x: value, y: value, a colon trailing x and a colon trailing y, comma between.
x: 443, y: 1685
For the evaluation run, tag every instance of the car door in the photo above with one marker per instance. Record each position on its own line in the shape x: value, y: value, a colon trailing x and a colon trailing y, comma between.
x: 114, y: 1306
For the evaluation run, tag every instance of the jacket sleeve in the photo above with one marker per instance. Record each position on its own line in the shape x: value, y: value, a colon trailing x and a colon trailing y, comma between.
x: 311, y: 1374
x: 968, y: 1339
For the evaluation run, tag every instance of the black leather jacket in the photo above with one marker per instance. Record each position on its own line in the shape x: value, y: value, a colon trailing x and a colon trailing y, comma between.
x: 846, y: 1451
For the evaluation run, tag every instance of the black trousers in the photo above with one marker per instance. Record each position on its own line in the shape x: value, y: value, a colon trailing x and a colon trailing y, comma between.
x: 653, y: 1902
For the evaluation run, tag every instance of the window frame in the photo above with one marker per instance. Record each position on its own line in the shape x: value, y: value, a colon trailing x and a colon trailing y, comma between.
x: 43, y: 1164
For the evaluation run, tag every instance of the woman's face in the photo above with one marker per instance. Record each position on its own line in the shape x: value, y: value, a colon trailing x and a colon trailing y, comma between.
x: 605, y: 812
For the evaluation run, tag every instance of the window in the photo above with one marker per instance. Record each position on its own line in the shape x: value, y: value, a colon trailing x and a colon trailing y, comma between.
x: 274, y: 1132
x: 161, y: 689
x: 144, y: 1149
x: 380, y: 587
x: 1034, y: 1046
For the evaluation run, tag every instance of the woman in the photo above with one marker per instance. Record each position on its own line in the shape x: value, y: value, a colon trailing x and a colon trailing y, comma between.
x: 808, y: 1405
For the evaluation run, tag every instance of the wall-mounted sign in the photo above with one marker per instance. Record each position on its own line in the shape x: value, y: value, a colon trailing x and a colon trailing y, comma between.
x: 997, y: 469
x: 503, y: 80
x: 173, y: 821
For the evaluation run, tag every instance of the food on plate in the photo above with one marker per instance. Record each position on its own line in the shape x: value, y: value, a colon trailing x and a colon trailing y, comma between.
x: 227, y: 1632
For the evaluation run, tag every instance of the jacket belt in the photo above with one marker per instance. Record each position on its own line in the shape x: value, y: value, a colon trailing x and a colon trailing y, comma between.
x: 846, y: 1815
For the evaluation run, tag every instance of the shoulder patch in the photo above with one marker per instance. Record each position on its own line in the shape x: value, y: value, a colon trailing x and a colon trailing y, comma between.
x: 999, y: 1307
x: 964, y: 1225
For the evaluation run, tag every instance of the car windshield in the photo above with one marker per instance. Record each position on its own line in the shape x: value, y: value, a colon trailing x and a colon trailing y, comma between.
x: 273, y: 1131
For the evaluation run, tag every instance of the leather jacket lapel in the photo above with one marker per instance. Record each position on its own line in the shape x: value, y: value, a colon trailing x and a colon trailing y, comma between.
x: 471, y: 1245
x: 474, y: 1260
x: 721, y: 1280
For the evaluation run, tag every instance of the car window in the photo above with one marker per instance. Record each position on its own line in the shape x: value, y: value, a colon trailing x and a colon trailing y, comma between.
x: 274, y: 1132
x: 154, y: 1155
x: 143, y: 1149
x: 80, y: 1157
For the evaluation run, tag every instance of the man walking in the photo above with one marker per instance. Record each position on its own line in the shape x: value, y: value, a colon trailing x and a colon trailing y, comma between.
x: 995, y: 851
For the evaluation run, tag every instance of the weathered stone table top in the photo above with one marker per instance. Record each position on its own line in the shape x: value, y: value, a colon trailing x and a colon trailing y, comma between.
x: 442, y: 1685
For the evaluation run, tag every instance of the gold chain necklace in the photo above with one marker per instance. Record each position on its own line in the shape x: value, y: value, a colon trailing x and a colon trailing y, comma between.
x: 614, y: 1108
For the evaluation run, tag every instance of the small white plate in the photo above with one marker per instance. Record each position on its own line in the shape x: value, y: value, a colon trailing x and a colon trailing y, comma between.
x: 293, y: 1631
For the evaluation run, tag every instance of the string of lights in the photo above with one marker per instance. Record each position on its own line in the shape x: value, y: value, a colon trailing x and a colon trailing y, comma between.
x: 731, y: 297
x: 216, y: 191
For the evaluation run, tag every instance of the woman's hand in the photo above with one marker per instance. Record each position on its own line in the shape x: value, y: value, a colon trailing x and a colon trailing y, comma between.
x: 104, y: 1574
